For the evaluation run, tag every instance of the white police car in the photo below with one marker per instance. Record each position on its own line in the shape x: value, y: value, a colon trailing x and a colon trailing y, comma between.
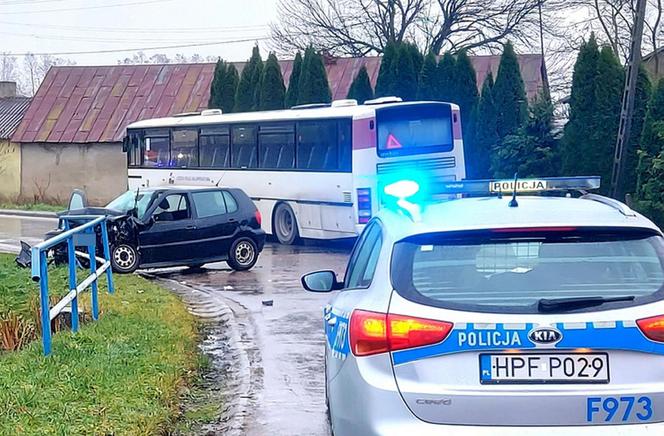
x: 532, y: 315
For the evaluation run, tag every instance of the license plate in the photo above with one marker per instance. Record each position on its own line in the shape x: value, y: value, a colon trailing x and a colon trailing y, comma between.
x: 544, y: 368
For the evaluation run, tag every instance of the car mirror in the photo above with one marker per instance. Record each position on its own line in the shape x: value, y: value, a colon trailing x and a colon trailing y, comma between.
x: 321, y: 281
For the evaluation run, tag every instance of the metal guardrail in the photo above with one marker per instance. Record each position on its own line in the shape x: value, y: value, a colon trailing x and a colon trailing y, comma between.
x: 81, y: 236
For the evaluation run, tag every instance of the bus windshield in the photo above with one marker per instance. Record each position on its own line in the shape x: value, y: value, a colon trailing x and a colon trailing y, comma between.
x: 414, y: 129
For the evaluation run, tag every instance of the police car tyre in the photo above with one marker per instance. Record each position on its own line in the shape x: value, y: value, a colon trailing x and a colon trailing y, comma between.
x: 284, y: 224
x: 243, y: 254
x: 124, y: 258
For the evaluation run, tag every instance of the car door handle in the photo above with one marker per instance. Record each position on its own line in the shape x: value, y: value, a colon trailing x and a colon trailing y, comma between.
x: 190, y: 227
x: 332, y: 321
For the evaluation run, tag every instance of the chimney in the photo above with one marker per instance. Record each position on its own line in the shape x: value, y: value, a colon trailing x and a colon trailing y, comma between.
x: 7, y: 89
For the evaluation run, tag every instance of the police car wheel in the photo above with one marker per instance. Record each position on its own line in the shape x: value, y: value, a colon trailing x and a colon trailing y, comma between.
x: 284, y: 224
x: 243, y: 254
x: 124, y: 258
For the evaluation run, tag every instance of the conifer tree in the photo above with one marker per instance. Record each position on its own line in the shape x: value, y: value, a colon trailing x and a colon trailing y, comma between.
x: 427, y: 87
x: 217, y: 84
x: 246, y: 90
x: 385, y: 84
x: 641, y: 98
x: 532, y: 151
x: 229, y: 88
x: 509, y: 94
x: 650, y: 185
x: 360, y: 89
x: 273, y: 91
x: 608, y: 96
x: 294, y: 81
x: 478, y: 156
x: 406, y: 74
x: 313, y: 86
x: 445, y: 71
x: 467, y: 96
x: 581, y: 109
x: 256, y: 78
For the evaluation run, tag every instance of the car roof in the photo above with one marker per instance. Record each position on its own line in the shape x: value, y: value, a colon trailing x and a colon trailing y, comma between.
x: 482, y: 213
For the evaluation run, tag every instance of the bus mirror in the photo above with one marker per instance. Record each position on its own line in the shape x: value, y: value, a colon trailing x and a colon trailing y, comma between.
x: 125, y: 144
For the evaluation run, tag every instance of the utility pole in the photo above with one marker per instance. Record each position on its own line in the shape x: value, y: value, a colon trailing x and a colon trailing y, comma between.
x: 627, y: 109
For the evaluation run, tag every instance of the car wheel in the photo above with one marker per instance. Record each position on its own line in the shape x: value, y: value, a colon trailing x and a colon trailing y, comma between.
x: 124, y: 258
x: 284, y: 224
x: 243, y: 254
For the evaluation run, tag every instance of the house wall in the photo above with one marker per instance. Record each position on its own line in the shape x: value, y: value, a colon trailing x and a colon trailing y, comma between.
x: 10, y: 170
x: 49, y: 172
x: 654, y: 65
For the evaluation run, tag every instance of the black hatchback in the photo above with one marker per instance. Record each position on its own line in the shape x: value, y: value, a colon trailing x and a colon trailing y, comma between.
x: 181, y: 226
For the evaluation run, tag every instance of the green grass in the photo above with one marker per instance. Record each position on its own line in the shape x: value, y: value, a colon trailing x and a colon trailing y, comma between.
x: 41, y: 207
x: 121, y: 375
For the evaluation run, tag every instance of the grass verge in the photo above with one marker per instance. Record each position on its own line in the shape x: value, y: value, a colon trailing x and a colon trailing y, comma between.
x: 121, y: 375
x: 41, y: 207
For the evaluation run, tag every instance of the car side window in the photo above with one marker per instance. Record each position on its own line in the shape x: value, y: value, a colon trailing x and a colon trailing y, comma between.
x: 173, y: 207
x: 209, y: 203
x: 231, y: 204
x: 364, y: 260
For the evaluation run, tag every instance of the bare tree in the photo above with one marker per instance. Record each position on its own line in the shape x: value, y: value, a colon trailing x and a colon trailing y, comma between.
x: 35, y: 68
x: 359, y: 27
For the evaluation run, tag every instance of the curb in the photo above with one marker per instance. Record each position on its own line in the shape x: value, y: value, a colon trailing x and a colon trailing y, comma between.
x: 27, y: 213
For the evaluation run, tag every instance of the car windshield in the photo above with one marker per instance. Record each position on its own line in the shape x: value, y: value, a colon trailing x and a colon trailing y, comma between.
x: 126, y: 202
x: 512, y: 272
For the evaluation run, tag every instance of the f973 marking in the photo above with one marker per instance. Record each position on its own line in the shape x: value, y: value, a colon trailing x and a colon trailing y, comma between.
x: 619, y: 409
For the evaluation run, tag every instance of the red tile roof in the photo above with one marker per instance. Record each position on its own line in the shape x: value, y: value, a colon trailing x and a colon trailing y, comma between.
x: 78, y: 104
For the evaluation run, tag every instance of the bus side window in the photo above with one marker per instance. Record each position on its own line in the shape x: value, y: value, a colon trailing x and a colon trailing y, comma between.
x: 215, y: 151
x: 317, y: 145
x: 157, y: 148
x: 244, y: 150
x: 276, y: 148
x: 345, y: 146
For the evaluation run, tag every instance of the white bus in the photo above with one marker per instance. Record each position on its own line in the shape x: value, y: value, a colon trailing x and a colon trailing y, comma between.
x: 313, y: 171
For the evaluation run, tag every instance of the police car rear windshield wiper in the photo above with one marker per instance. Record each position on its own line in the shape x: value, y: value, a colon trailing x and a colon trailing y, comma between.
x: 556, y: 304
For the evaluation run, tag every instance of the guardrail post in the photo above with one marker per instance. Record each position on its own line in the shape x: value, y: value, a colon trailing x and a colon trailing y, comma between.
x: 45, y: 303
x: 93, y: 270
x: 71, y: 260
x: 107, y: 256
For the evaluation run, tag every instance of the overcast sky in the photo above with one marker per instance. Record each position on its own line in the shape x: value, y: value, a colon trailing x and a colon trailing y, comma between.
x: 60, y: 26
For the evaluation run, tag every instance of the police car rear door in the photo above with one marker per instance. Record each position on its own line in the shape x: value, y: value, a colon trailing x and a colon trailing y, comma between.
x: 550, y: 326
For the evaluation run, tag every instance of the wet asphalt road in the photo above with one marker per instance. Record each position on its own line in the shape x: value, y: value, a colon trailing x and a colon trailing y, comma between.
x: 31, y: 230
x: 285, y: 340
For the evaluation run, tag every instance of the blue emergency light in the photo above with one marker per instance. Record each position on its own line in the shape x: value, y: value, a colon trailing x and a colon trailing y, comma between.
x: 407, y: 193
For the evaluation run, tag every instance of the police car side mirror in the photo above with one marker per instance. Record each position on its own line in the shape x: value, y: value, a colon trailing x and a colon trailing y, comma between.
x: 321, y: 281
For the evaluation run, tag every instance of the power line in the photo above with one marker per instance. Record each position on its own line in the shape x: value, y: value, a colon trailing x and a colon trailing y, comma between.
x: 107, y: 40
x: 196, y: 30
x: 164, y: 47
x: 86, y: 7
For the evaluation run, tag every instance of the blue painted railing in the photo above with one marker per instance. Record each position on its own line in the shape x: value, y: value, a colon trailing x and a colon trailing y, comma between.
x: 81, y: 236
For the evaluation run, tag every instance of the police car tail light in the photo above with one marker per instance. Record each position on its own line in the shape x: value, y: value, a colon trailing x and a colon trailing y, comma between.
x: 408, y: 332
x: 374, y: 333
x: 652, y: 328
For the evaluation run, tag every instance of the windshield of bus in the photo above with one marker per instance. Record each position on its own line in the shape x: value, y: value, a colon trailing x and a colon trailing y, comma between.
x: 414, y: 129
x: 126, y: 202
x: 505, y: 272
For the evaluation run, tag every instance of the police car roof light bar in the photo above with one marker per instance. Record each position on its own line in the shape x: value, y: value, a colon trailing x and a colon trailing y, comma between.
x: 515, y: 186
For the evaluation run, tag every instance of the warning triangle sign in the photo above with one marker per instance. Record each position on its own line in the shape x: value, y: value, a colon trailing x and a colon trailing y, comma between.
x: 392, y: 142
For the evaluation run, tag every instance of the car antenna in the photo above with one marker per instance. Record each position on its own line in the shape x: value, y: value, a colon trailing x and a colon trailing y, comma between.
x: 219, y: 181
x: 513, y: 202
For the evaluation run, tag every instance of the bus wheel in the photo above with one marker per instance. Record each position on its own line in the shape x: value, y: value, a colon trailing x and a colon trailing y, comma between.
x: 284, y: 224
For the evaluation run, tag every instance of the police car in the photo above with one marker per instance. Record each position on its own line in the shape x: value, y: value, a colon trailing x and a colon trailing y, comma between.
x: 498, y: 314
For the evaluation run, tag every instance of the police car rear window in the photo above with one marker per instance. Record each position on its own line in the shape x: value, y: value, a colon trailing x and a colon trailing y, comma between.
x: 512, y: 271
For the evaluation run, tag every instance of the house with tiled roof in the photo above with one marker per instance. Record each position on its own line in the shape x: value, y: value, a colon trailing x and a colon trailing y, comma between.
x: 12, y: 108
x: 71, y: 135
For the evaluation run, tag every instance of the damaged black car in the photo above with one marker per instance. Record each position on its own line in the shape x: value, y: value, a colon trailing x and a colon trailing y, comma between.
x: 177, y: 226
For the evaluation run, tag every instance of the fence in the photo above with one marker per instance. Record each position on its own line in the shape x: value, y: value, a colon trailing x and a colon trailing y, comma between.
x: 82, y: 236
